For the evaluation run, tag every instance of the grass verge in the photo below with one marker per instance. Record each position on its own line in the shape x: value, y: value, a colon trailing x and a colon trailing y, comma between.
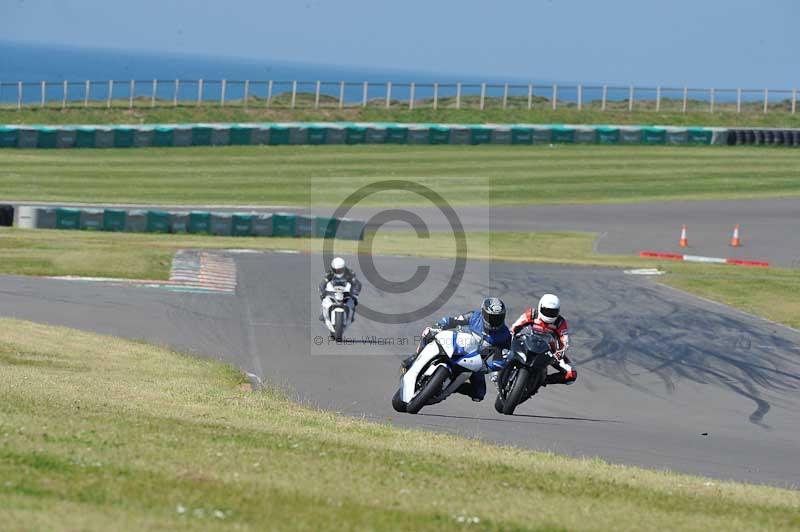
x: 773, y: 293
x: 103, y: 433
x: 470, y: 175
x: 697, y: 115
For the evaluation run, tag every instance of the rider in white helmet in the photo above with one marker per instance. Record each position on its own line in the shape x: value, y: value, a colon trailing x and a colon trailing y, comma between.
x: 546, y: 317
x: 339, y: 270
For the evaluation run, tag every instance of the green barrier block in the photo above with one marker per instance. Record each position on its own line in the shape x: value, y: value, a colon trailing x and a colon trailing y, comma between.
x: 419, y: 135
x: 460, y: 135
x: 259, y: 135
x: 262, y: 225
x: 46, y: 218
x: 350, y: 229
x: 607, y: 135
x: 439, y: 135
x: 143, y: 137
x: 68, y: 219
x: 335, y: 135
x: 220, y: 136
x: 564, y: 135
x: 199, y: 222
x: 163, y: 136
x: 123, y: 137
x: 182, y: 136
x: 677, y: 135
x: 317, y: 134
x: 521, y: 135
x: 542, y: 134
x: 8, y: 137
x: 355, y: 135
x: 325, y: 227
x: 298, y: 135
x: 480, y: 135
x: 136, y: 221
x: 104, y: 137
x: 283, y: 224
x: 158, y: 222
x: 27, y: 137
x: 201, y: 136
x: 304, y: 226
x: 114, y: 220
x: 84, y: 137
x: 279, y: 135
x: 585, y: 135
x: 654, y: 135
x: 92, y: 219
x: 375, y: 135
x: 242, y: 225
x: 241, y: 135
x: 501, y: 135
x: 396, y: 135
x: 630, y: 135
x: 65, y: 137
x: 698, y: 135
x: 221, y: 224
x: 47, y: 137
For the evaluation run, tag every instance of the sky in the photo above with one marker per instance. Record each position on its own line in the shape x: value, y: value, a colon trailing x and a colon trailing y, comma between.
x: 721, y: 43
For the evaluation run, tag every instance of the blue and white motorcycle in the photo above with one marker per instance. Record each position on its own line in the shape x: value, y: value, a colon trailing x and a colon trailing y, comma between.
x: 446, y: 363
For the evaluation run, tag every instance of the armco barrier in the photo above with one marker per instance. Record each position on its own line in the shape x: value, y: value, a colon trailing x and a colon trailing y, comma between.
x: 166, y: 135
x: 214, y: 223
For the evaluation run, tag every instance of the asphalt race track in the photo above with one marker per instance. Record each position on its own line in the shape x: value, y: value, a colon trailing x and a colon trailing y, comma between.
x: 666, y: 380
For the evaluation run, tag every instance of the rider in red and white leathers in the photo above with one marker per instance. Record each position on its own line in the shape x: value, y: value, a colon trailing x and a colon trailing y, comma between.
x: 547, y: 318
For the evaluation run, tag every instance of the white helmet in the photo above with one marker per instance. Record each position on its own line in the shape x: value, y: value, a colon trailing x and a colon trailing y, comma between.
x: 549, y: 308
x: 337, y: 265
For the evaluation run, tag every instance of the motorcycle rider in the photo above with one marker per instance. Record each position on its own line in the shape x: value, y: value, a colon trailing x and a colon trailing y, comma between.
x: 488, y: 323
x: 339, y: 270
x: 546, y: 317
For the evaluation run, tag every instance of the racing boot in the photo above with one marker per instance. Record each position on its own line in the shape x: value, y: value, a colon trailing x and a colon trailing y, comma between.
x: 568, y: 377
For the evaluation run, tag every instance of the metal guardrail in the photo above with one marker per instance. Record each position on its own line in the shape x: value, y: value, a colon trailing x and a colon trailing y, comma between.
x: 294, y: 94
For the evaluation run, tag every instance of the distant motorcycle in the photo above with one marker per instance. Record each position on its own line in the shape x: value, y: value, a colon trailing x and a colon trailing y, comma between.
x: 338, y: 306
x: 446, y: 363
x: 525, y: 369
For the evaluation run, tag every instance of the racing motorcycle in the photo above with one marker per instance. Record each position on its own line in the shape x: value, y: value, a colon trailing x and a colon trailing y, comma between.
x: 525, y: 369
x: 338, y: 305
x: 446, y: 363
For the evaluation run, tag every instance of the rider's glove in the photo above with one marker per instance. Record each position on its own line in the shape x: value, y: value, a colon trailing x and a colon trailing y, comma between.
x: 429, y: 333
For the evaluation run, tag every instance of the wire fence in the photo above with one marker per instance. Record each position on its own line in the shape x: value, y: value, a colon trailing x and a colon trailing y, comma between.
x: 293, y: 94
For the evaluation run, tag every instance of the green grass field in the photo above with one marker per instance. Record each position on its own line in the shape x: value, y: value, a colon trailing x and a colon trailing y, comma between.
x: 148, y: 256
x: 283, y: 175
x: 698, y: 114
x: 99, y: 433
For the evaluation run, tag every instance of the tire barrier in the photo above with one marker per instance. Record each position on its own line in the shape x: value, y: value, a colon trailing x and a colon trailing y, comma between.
x: 337, y: 133
x: 763, y: 137
x: 193, y: 222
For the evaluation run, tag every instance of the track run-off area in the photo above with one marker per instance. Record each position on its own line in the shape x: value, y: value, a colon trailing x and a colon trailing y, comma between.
x: 666, y: 380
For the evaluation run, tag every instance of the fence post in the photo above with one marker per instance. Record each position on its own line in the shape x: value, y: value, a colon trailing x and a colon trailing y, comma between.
x: 794, y: 100
x: 64, y: 97
x: 435, y: 96
x: 222, y: 90
x: 555, y: 97
x: 658, y: 98
x: 604, y: 97
x: 176, y: 92
x: 110, y: 93
x: 580, y: 96
x: 685, y: 99
x: 153, y: 95
x: 458, y: 95
x: 341, y: 94
x: 483, y: 95
x: 86, y: 88
x: 365, y: 94
x: 246, y: 93
x: 132, y: 91
x: 505, y: 96
x: 766, y: 100
x: 412, y: 95
x: 317, y: 87
x: 739, y: 100
x: 19, y: 95
x: 711, y: 95
x: 200, y: 91
x: 388, y: 94
x: 630, y: 98
x: 530, y: 96
x: 44, y: 93
x: 294, y: 93
x: 269, y: 93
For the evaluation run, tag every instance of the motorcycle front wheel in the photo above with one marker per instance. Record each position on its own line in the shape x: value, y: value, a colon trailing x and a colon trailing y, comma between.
x: 517, y: 391
x: 429, y: 390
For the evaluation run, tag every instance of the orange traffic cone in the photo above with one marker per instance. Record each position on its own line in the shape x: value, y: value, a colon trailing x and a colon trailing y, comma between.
x: 683, y: 242
x: 735, y: 242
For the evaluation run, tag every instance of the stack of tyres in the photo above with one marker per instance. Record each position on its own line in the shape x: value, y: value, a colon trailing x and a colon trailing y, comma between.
x: 8, y: 137
x: 260, y: 135
x: 501, y: 135
x: 630, y: 135
x: 242, y: 224
x: 159, y: 222
x: 182, y: 136
x: 66, y: 137
x: 103, y: 137
x: 460, y: 135
x: 350, y: 229
x: 220, y: 136
x: 375, y: 134
x: 199, y: 222
x: 298, y: 134
x: 221, y: 224
x: 136, y: 221
x: 677, y: 135
x: 541, y: 134
x: 46, y: 218
x: 304, y: 226
x: 27, y: 137
x: 419, y: 135
x: 114, y: 220
x: 144, y: 137
x: 585, y: 135
x: 335, y: 134
x: 92, y: 219
x: 262, y: 225
x: 179, y: 222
